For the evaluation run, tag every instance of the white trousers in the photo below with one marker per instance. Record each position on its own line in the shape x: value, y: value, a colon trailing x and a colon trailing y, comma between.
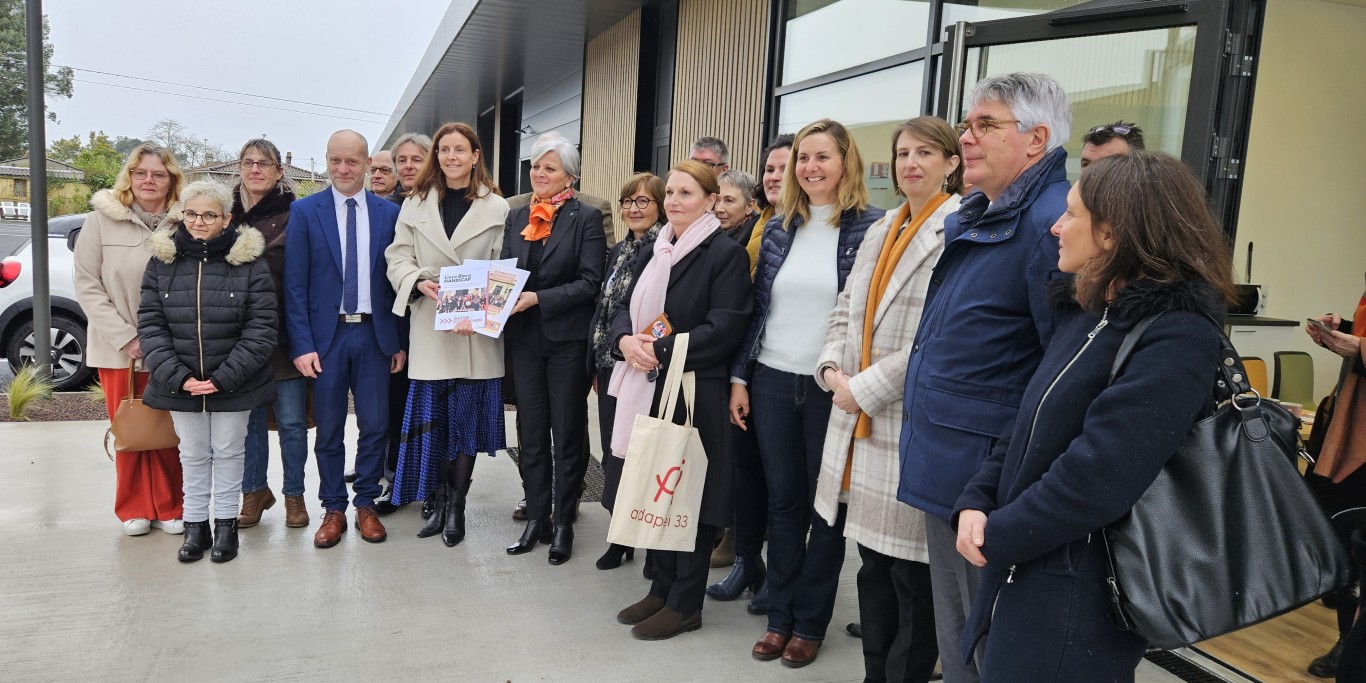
x: 213, y: 450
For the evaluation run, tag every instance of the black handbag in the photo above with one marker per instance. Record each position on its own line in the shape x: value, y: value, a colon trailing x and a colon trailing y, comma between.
x: 1229, y: 534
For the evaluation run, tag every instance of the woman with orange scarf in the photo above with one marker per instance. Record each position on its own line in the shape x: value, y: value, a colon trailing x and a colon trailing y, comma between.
x: 864, y: 363
x: 560, y: 241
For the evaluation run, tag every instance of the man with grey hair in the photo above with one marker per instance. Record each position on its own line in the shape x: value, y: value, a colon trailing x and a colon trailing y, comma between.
x: 987, y: 320
x: 712, y: 152
x: 408, y: 153
x: 383, y: 180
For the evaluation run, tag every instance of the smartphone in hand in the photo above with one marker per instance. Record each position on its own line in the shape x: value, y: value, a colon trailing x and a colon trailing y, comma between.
x: 1320, y: 325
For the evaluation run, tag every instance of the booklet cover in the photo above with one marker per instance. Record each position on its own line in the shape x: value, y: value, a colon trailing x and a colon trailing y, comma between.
x: 461, y: 295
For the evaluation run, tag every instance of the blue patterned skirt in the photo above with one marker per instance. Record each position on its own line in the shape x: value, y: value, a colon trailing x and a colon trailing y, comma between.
x: 445, y: 418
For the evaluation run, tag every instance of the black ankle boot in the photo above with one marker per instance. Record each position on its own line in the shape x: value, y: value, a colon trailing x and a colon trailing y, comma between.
x: 436, y: 520
x: 454, y: 530
x: 1322, y: 667
x: 537, y: 530
x: 613, y: 557
x: 198, y: 538
x: 759, y: 605
x: 562, y: 545
x: 224, y: 540
x: 748, y: 572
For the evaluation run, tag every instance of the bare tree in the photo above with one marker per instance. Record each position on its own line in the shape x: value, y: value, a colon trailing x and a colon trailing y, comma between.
x: 189, y: 149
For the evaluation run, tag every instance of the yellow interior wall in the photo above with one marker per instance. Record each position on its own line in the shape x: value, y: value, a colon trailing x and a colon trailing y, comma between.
x: 1304, y: 190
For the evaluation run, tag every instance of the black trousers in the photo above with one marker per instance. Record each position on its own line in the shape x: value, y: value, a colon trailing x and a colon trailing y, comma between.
x: 552, y: 400
x: 681, y: 578
x: 611, y: 465
x: 751, y: 491
x: 896, y: 607
x: 398, y: 404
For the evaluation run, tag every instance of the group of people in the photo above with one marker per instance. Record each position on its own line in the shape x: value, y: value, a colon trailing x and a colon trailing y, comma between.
x: 931, y: 381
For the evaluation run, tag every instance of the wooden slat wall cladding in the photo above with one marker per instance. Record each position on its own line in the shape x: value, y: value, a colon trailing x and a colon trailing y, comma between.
x: 611, y: 67
x: 719, y: 82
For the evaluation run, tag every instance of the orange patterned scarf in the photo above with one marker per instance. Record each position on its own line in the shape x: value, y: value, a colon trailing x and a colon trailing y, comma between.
x: 543, y: 215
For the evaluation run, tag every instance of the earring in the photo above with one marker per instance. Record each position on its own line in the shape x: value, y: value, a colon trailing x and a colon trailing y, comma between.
x: 945, y: 187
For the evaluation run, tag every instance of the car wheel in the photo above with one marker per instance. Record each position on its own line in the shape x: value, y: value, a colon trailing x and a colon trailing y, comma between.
x: 69, y: 372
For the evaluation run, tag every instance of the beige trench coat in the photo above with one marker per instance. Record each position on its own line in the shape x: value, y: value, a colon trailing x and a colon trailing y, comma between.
x: 419, y: 251
x: 110, y: 261
x: 875, y: 518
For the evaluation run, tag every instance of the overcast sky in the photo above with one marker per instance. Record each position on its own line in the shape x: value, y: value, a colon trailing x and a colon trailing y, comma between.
x: 340, y: 53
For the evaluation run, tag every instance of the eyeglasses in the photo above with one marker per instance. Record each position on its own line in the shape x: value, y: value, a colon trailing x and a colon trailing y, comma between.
x: 711, y: 164
x: 1122, y: 131
x: 981, y: 127
x: 638, y: 202
x: 156, y: 175
x: 248, y: 164
x: 206, y: 217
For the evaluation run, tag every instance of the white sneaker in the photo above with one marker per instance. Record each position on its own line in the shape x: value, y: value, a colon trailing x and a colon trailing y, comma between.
x: 136, y: 527
x: 174, y: 527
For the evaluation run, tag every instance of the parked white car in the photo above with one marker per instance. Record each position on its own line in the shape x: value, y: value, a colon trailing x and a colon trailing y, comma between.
x: 9, y: 210
x: 69, y: 372
x: 23, y: 211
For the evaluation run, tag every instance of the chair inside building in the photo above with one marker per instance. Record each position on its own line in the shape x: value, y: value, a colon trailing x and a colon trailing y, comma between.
x: 1294, y: 379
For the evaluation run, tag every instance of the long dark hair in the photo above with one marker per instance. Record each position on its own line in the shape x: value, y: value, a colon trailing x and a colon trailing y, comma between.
x: 430, y: 176
x: 1160, y: 227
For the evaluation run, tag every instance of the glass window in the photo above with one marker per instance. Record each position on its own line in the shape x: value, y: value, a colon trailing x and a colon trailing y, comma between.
x: 1141, y: 77
x: 871, y: 107
x: 21, y: 188
x: 824, y: 36
x: 974, y: 11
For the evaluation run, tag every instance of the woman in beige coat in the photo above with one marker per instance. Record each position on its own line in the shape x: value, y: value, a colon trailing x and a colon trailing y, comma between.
x: 455, y: 406
x: 863, y: 362
x: 110, y: 260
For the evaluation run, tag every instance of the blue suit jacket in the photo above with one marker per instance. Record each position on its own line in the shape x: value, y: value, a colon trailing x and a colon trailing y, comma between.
x: 313, y: 273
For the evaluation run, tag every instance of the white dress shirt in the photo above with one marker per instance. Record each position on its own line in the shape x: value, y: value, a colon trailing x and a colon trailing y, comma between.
x: 362, y: 248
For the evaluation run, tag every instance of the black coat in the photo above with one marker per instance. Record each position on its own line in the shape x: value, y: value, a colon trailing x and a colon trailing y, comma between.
x: 1079, y: 456
x: 710, y: 298
x: 208, y: 311
x: 571, y: 271
x: 270, y: 216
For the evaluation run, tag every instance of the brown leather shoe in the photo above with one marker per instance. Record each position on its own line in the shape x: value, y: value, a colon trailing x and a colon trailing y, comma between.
x: 666, y: 624
x: 641, y: 611
x: 253, y: 504
x: 770, y: 647
x: 334, y: 525
x: 296, y: 513
x: 519, y: 512
x: 800, y: 652
x: 371, y: 529
x: 723, y: 555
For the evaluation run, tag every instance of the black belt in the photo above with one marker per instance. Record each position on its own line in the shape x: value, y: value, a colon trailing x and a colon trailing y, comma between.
x: 354, y: 318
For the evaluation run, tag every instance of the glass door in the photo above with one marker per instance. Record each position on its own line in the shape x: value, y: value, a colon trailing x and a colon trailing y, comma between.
x: 1180, y: 70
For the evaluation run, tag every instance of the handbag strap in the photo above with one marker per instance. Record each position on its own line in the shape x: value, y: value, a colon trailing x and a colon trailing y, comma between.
x: 1232, y: 378
x: 132, y: 363
x: 673, y: 380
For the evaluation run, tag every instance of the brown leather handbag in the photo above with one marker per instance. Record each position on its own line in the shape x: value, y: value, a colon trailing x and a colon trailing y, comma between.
x: 136, y: 427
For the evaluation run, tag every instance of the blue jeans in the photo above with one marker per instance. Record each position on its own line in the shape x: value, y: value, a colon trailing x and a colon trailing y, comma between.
x: 291, y: 420
x: 790, y: 413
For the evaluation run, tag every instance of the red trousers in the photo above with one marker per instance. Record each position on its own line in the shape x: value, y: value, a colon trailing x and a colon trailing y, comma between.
x: 149, y: 484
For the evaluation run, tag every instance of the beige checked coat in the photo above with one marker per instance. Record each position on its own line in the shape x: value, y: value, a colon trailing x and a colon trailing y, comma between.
x: 875, y: 518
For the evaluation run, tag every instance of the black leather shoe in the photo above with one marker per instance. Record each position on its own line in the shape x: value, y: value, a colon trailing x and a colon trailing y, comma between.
x: 748, y: 572
x: 1325, y: 666
x: 538, y: 530
x: 454, y: 531
x: 855, y: 629
x: 759, y: 605
x: 428, y: 506
x: 435, y: 522
x: 349, y: 477
x: 562, y: 545
x: 613, y: 557
x: 382, y: 504
x: 224, y: 540
x: 198, y: 538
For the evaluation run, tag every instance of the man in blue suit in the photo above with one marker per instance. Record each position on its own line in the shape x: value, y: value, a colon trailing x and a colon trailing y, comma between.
x: 342, y: 331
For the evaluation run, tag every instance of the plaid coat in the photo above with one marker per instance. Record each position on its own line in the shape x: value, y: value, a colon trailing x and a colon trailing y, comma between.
x: 875, y: 518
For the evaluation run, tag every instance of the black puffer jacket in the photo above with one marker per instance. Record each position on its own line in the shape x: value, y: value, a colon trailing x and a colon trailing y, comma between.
x: 208, y: 311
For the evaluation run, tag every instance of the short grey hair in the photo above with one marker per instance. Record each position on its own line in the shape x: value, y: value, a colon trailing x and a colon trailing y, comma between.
x: 559, y: 144
x: 1034, y: 99
x: 714, y: 144
x: 741, y: 181
x: 212, y: 189
x: 416, y: 138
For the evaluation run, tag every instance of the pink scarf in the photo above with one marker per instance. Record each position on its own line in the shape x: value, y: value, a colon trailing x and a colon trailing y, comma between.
x: 634, y: 392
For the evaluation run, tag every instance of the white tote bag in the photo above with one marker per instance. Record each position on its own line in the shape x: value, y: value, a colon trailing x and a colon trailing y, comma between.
x: 660, y: 496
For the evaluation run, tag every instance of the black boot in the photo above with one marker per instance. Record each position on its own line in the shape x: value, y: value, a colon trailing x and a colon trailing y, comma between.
x: 198, y: 538
x: 454, y: 531
x: 537, y: 530
x: 562, y: 546
x: 428, y: 506
x: 437, y: 498
x: 224, y: 540
x: 759, y: 605
x: 436, y: 519
x: 1322, y: 667
x: 613, y: 557
x: 748, y: 572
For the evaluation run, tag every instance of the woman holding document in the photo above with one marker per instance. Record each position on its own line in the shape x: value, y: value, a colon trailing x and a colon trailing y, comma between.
x: 455, y: 409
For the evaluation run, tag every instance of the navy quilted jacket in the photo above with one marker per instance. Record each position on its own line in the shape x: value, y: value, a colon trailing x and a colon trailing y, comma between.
x: 772, y: 252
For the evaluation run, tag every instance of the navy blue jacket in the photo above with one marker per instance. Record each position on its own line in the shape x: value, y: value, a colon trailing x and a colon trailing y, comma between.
x: 987, y: 320
x: 773, y: 249
x: 1079, y: 457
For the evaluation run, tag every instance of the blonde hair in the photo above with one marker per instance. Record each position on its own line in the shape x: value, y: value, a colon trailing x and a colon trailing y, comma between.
x: 123, y: 187
x: 851, y: 193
